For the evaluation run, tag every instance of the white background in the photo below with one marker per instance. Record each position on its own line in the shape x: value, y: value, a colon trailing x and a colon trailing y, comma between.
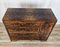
x: 53, y: 4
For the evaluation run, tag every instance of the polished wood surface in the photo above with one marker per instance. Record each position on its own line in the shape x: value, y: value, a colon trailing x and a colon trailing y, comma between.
x: 29, y: 24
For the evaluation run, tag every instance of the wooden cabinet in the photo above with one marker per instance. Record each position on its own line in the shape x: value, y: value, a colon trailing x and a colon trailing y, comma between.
x: 29, y: 23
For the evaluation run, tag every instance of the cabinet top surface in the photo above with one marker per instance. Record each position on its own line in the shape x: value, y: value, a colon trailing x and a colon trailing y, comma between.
x: 29, y: 14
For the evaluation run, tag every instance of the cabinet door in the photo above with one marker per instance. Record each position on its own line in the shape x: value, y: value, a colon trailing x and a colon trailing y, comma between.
x: 45, y: 30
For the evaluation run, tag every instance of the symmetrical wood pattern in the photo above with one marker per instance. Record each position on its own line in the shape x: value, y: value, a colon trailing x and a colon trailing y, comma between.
x: 29, y: 24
